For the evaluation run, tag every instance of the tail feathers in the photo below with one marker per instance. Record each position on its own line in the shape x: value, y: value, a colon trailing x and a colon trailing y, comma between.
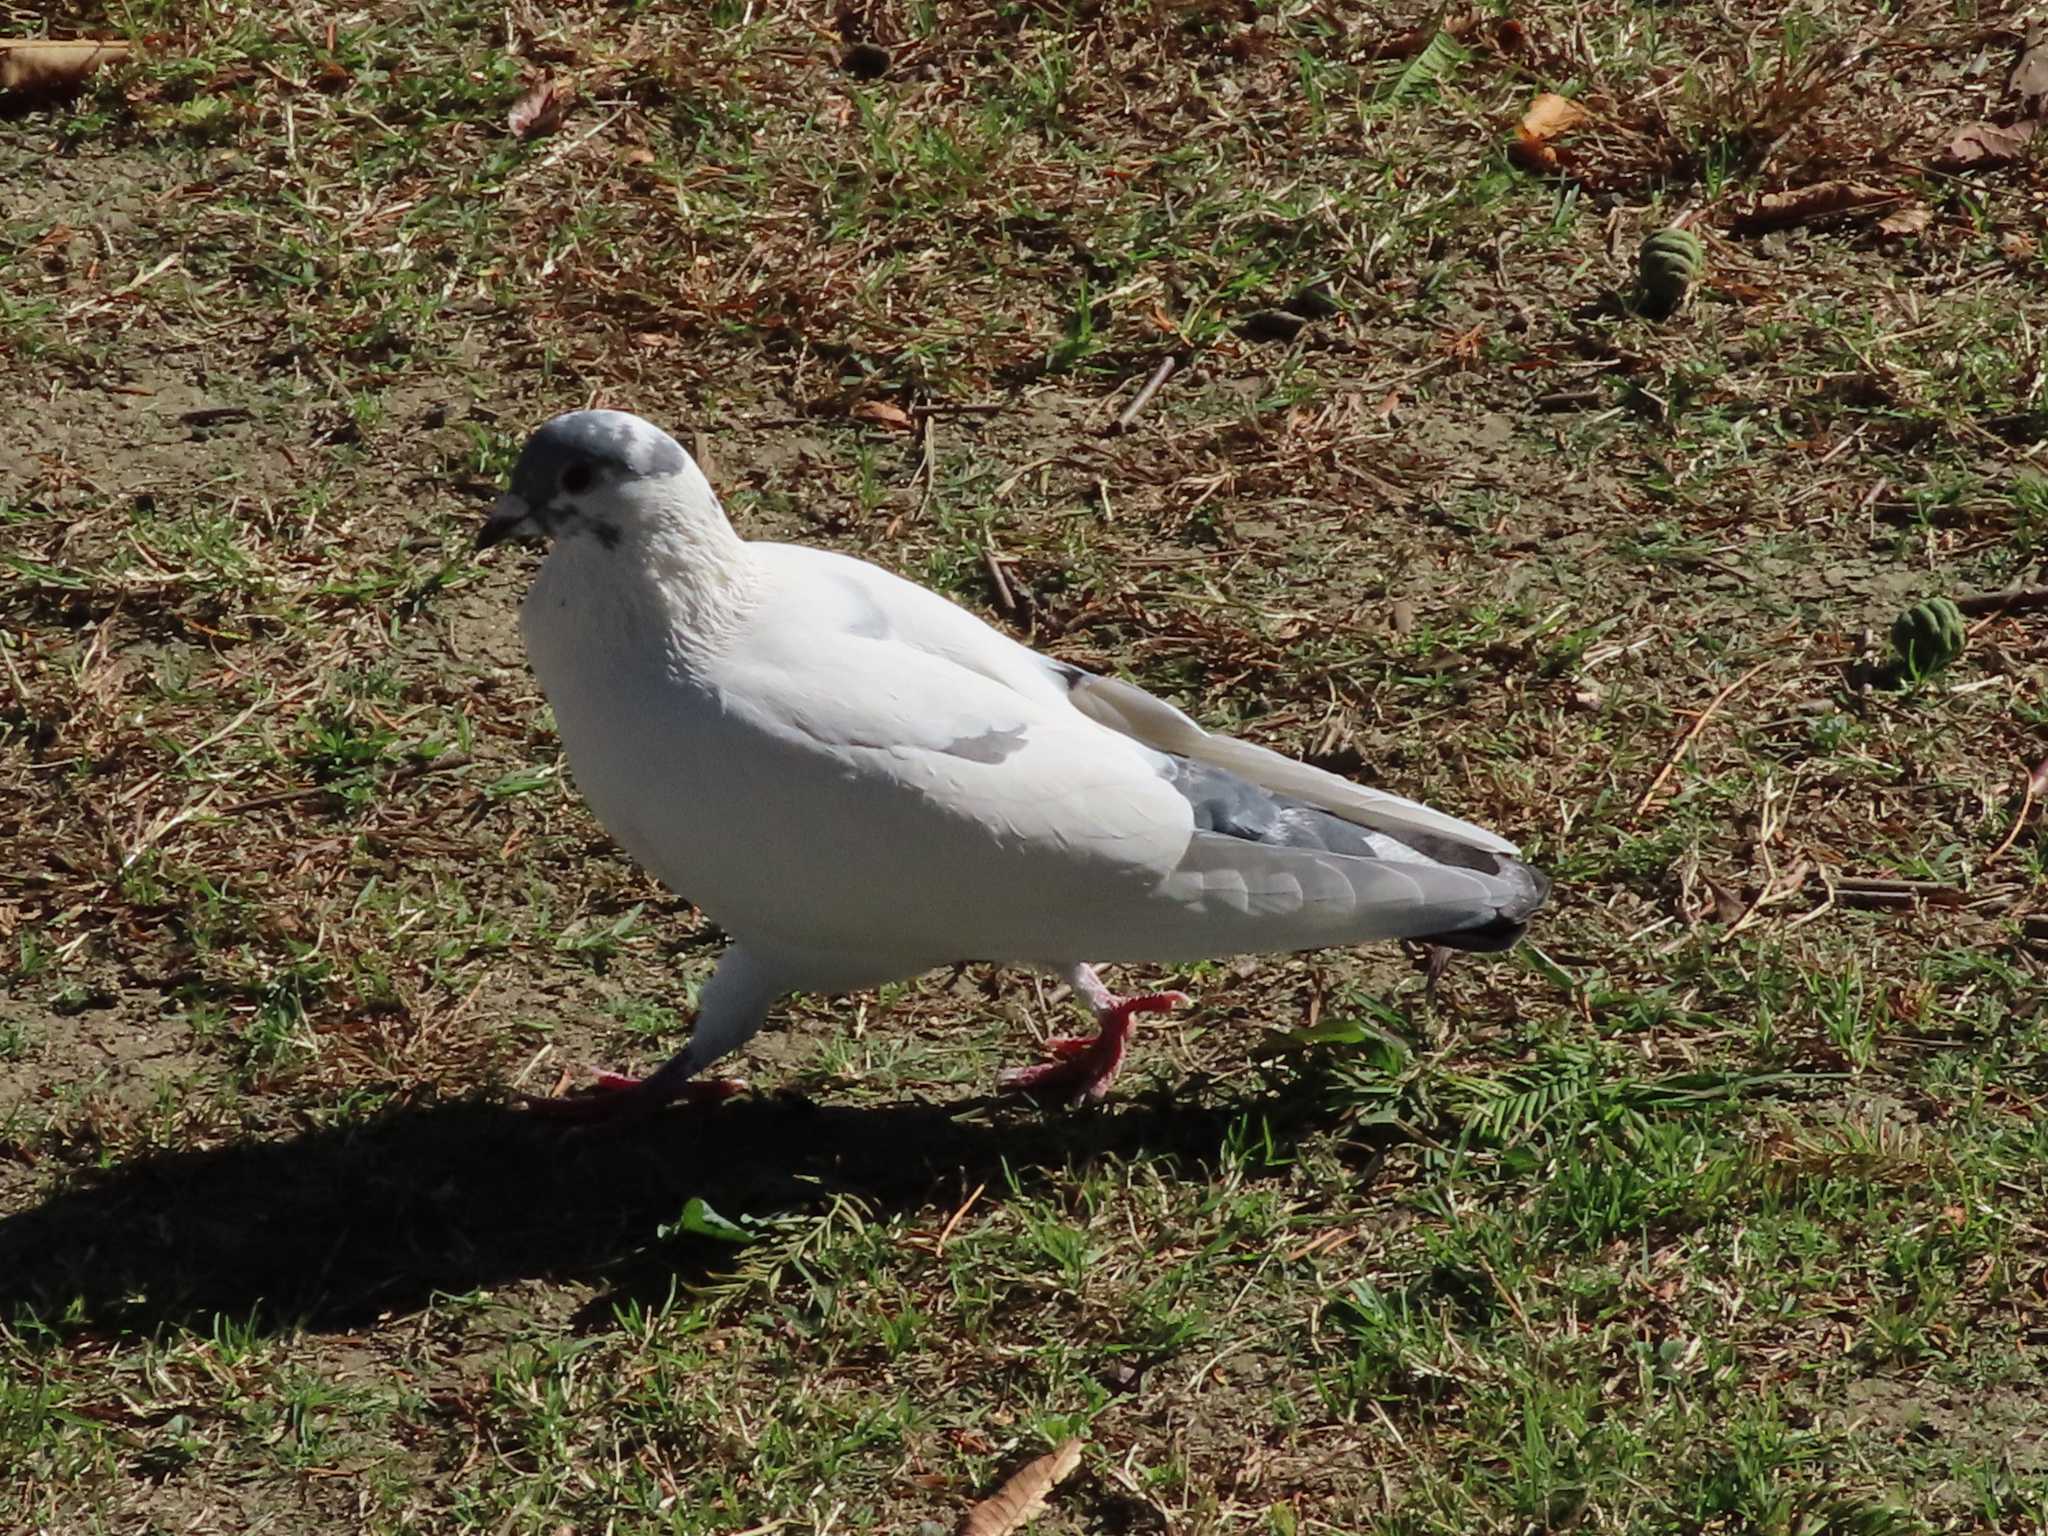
x: 1503, y: 930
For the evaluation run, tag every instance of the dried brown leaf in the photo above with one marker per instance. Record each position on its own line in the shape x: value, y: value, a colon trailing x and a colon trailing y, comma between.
x: 542, y: 109
x: 2029, y: 77
x: 882, y: 414
x: 1548, y: 117
x: 1909, y: 220
x: 1981, y: 145
x: 1807, y: 205
x: 1023, y: 1496
x: 48, y: 69
x: 2037, y: 781
x: 1729, y: 905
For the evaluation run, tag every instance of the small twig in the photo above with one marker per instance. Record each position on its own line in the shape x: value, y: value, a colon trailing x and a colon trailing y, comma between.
x: 1010, y: 484
x: 2013, y: 600
x: 286, y: 796
x: 2019, y: 821
x: 20, y: 688
x: 1144, y: 397
x: 215, y: 415
x: 993, y: 564
x: 1685, y: 742
x: 930, y: 466
x: 965, y: 1206
x: 1773, y: 891
x: 960, y: 408
x: 1855, y: 891
x: 279, y: 797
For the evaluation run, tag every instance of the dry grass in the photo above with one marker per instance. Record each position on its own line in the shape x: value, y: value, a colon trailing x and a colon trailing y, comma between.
x: 1716, y: 1210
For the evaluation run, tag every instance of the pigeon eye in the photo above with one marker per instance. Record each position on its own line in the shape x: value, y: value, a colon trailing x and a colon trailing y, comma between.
x: 577, y: 479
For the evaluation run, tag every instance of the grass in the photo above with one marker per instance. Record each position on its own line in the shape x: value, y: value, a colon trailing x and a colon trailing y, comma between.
x: 1715, y: 1208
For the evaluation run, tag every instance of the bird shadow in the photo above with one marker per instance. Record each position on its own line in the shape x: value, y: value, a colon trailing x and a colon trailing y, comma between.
x: 334, y: 1228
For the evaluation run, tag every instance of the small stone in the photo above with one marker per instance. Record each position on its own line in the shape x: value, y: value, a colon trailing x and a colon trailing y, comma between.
x: 866, y: 61
x: 1271, y: 325
x: 1315, y: 302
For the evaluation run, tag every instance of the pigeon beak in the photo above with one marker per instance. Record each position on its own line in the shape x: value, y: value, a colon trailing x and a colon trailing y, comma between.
x: 510, y: 518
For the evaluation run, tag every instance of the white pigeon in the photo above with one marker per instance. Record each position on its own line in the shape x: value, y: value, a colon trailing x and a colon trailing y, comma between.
x: 860, y: 781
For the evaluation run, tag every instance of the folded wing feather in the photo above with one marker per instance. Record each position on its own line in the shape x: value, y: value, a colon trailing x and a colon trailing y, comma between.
x: 1135, y: 713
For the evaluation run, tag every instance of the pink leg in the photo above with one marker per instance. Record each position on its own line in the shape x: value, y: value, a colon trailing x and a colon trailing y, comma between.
x: 1085, y: 1069
x: 617, y: 1099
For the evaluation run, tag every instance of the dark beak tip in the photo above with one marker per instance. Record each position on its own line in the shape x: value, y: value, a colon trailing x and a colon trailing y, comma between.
x: 511, y: 516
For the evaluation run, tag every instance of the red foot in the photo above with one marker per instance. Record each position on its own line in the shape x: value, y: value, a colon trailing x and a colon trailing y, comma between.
x: 1084, y: 1070
x: 617, y: 1099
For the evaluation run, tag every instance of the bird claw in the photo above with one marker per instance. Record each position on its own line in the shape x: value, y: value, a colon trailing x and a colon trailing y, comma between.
x: 1072, y: 1081
x: 1083, y: 1070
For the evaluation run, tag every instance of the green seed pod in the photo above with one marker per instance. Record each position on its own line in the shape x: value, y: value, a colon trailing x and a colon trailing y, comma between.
x: 1667, y: 265
x: 1928, y: 636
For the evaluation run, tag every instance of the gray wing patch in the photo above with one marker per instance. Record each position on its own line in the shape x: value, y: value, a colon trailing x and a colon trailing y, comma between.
x: 1236, y: 807
x: 989, y: 747
x: 1504, y: 892
x: 865, y: 617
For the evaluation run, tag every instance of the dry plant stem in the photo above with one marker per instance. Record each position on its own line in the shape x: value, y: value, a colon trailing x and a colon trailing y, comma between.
x: 1685, y: 742
x: 2019, y: 821
x: 2016, y: 600
x: 1144, y: 396
x: 993, y: 564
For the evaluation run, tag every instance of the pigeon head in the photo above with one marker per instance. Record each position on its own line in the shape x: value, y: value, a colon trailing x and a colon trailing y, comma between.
x: 589, y: 473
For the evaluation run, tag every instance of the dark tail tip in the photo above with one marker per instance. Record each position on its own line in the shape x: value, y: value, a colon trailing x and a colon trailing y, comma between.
x: 1529, y: 887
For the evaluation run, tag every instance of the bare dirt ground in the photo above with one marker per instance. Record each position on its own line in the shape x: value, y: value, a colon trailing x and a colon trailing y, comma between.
x: 1717, y: 1207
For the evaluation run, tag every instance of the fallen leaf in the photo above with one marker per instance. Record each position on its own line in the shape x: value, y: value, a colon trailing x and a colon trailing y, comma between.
x: 541, y: 109
x: 50, y: 69
x: 1729, y: 905
x: 2029, y: 77
x: 639, y: 154
x: 2037, y: 781
x: 1805, y: 205
x: 1980, y: 145
x: 1549, y: 116
x: 1023, y: 1496
x: 1909, y: 220
x: 700, y: 1220
x: 882, y: 414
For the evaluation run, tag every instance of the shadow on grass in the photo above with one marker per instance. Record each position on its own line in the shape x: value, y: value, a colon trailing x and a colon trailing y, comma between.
x: 334, y: 1228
